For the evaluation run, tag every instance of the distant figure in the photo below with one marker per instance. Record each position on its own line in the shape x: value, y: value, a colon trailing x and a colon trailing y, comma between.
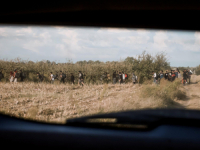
x: 40, y: 77
x: 123, y: 77
x: 15, y: 76
x: 114, y: 77
x: 179, y: 75
x: 161, y: 75
x: 1, y: 74
x: 62, y: 76
x: 72, y: 79
x: 170, y: 76
x: 173, y: 75
x: 80, y: 76
x: 11, y: 76
x: 51, y: 78
x: 154, y: 77
x: 126, y: 77
x: 117, y: 76
x: 134, y: 78
x: 176, y: 73
x: 189, y: 75
x: 166, y: 75
x: 185, y: 76
x: 56, y: 76
x: 22, y: 75
x: 120, y: 78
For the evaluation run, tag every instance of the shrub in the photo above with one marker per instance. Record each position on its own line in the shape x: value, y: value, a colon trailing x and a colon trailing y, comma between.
x: 166, y: 91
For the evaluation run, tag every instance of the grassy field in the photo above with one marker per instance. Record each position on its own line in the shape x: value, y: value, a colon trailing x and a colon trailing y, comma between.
x: 56, y: 103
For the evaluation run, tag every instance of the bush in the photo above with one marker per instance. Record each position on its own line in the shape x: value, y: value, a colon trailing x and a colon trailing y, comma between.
x: 166, y: 91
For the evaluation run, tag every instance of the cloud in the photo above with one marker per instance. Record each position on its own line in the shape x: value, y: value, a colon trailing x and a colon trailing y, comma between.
x: 142, y: 31
x: 160, y: 39
x: 113, y: 30
x: 3, y: 32
x: 197, y: 38
x: 24, y: 31
x: 33, y: 46
x: 104, y: 44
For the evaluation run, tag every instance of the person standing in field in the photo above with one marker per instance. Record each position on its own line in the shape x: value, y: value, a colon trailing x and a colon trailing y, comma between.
x: 51, y: 78
x: 166, y: 75
x: 185, y: 76
x: 1, y: 74
x: 40, y: 77
x: 123, y: 77
x: 173, y: 75
x: 126, y: 77
x: 15, y: 76
x: 179, y: 74
x: 117, y: 76
x: 176, y: 73
x: 11, y: 76
x: 120, y: 78
x: 114, y: 77
x: 189, y: 75
x: 80, y: 75
x: 72, y: 79
x: 161, y: 75
x: 134, y: 78
x: 62, y: 76
x: 154, y: 77
x: 22, y: 75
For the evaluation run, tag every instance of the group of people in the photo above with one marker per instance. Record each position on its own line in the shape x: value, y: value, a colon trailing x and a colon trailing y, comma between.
x: 62, y: 77
x: 15, y: 75
x: 120, y: 77
x: 171, y: 76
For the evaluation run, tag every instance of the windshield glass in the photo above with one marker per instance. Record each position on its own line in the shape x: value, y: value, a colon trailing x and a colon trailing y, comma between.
x: 54, y: 73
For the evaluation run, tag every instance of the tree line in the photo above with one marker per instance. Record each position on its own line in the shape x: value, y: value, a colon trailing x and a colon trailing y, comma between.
x: 142, y: 65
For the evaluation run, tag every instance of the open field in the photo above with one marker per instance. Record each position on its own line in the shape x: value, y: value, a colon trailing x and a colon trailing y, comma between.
x: 56, y: 103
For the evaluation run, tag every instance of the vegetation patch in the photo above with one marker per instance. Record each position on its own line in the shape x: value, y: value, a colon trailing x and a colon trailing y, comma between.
x: 166, y: 91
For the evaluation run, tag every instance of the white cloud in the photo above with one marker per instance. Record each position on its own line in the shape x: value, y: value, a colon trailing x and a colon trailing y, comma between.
x: 160, y: 39
x: 142, y: 31
x: 33, y: 46
x: 24, y: 31
x: 3, y: 32
x: 139, y: 39
x: 104, y: 44
x: 64, y: 52
x: 197, y: 38
x: 185, y: 42
x: 115, y: 30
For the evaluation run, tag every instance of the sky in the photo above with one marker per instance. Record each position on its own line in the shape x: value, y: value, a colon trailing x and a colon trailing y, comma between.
x: 60, y: 44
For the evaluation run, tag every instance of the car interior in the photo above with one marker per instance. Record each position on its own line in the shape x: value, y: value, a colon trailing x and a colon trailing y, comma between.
x: 140, y: 129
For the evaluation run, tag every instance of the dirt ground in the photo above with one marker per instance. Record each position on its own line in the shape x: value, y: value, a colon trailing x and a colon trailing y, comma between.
x: 193, y: 94
x: 58, y: 102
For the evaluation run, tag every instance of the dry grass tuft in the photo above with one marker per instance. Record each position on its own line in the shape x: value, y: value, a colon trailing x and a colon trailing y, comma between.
x: 165, y: 91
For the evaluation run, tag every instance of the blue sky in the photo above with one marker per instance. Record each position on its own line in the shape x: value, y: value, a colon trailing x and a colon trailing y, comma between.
x: 60, y: 44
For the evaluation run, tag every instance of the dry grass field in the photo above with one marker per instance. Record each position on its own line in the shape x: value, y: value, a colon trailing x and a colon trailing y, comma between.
x: 58, y: 102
